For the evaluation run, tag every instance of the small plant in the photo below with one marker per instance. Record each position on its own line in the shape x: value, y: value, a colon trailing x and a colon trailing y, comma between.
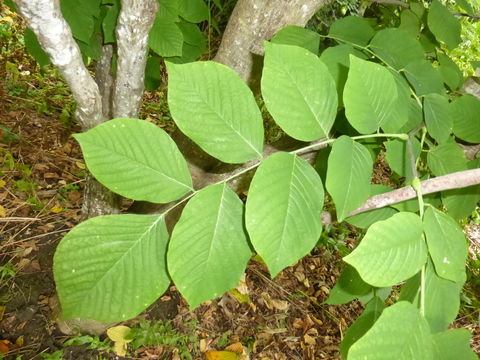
x: 161, y: 333
x: 93, y: 342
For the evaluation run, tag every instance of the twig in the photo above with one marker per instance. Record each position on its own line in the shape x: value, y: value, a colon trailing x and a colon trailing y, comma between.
x: 18, y: 219
x: 456, y: 180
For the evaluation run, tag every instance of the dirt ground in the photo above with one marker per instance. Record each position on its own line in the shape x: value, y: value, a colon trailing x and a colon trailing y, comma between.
x: 41, y: 182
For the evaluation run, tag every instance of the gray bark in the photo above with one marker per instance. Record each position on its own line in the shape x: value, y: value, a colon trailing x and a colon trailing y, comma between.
x: 104, y: 79
x: 45, y: 19
x: 254, y: 21
x: 134, y: 23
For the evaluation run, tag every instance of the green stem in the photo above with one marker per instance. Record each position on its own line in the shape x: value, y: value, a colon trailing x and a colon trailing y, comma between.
x: 298, y: 151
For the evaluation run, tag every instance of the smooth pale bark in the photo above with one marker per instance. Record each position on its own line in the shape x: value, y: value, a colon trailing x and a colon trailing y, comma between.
x: 134, y: 23
x: 254, y: 21
x: 45, y: 19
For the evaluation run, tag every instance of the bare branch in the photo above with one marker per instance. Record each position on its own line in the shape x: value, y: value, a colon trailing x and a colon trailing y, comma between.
x: 46, y: 21
x: 134, y: 23
x: 457, y: 180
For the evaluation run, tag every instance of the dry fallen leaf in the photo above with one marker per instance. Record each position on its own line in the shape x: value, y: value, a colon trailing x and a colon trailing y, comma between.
x: 3, y: 212
x: 221, y: 355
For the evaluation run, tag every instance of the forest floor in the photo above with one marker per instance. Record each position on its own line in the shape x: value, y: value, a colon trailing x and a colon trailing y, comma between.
x: 41, y: 182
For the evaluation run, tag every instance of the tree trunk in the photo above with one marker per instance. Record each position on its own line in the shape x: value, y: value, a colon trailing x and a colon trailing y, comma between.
x: 254, y: 21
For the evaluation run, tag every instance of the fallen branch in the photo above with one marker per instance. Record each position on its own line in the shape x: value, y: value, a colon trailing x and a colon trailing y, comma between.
x: 456, y: 180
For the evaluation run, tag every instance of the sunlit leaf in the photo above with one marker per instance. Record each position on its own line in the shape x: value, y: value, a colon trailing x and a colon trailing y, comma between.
x: 136, y: 159
x: 293, y: 73
x: 111, y: 268
x: 391, y: 251
x: 209, y: 250
x: 348, y: 176
x: 283, y: 210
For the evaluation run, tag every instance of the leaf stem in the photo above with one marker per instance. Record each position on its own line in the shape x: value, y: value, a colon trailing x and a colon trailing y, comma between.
x: 257, y: 162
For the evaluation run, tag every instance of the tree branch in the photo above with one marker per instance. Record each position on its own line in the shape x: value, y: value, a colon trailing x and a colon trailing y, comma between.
x: 45, y: 19
x: 134, y: 23
x: 456, y: 180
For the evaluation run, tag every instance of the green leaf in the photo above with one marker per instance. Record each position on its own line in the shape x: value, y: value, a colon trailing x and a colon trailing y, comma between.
x: 362, y: 324
x: 452, y: 345
x: 109, y: 21
x: 438, y: 117
x: 299, y: 36
x: 213, y: 95
x: 348, y: 177
x: 352, y: 29
x: 111, y: 268
x: 396, y: 47
x: 446, y: 244
x: 444, y: 25
x: 399, y: 115
x: 452, y: 75
x: 446, y: 158
x: 370, y: 94
x: 392, y: 250
x: 364, y: 220
x: 283, y: 210
x: 81, y: 22
x: 424, y: 78
x: 192, y: 34
x: 415, y: 116
x: 337, y: 60
x: 194, y: 11
x: 165, y: 38
x: 442, y: 298
x: 398, y: 156
x: 466, y: 122
x: 348, y: 287
x: 293, y: 73
x: 34, y: 48
x: 153, y: 77
x: 136, y: 159
x: 400, y: 333
x: 209, y: 250
x: 409, y: 22
x: 460, y: 203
